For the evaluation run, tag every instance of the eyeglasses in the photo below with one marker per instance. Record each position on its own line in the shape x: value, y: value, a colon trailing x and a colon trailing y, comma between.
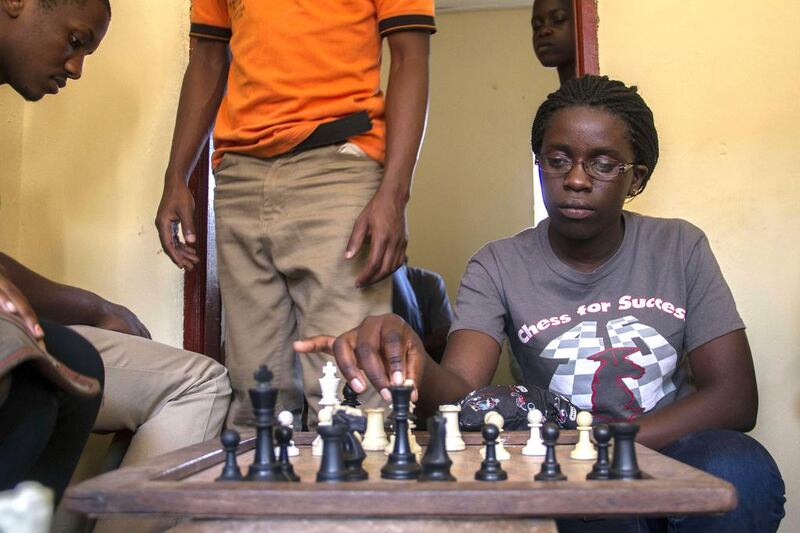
x: 601, y: 168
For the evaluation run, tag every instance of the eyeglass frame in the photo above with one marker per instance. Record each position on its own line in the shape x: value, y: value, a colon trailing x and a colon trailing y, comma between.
x: 621, y: 168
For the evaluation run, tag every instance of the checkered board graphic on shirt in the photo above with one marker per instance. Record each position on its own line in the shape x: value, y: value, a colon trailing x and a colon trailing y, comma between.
x: 574, y: 377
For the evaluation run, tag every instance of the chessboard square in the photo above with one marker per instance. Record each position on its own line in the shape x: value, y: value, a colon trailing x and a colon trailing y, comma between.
x: 582, y: 382
x: 586, y: 367
x: 651, y: 393
x: 562, y: 384
x: 559, y: 353
x: 582, y: 401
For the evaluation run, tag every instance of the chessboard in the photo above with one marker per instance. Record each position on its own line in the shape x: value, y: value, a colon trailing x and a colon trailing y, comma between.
x: 182, y: 484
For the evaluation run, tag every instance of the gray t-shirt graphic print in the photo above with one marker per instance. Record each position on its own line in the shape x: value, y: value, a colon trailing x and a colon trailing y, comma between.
x: 614, y: 340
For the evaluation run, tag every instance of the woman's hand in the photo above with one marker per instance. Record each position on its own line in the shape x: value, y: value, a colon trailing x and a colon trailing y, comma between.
x: 383, y: 349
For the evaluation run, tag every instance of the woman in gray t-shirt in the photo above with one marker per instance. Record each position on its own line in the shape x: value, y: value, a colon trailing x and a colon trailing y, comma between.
x: 610, y: 309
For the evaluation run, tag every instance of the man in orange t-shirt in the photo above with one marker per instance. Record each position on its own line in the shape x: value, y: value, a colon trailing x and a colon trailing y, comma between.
x: 313, y: 171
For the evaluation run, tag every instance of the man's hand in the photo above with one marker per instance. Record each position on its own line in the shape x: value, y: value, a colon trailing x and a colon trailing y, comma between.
x: 13, y: 302
x: 383, y: 223
x: 177, y: 209
x: 384, y: 349
x: 119, y: 318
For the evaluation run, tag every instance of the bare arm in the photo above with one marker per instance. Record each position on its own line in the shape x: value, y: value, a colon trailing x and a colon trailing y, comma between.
x: 385, y: 351
x: 202, y: 91
x: 70, y: 305
x: 383, y: 219
x: 726, y: 396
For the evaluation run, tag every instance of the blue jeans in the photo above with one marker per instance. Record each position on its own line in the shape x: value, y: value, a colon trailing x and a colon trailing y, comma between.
x: 730, y: 455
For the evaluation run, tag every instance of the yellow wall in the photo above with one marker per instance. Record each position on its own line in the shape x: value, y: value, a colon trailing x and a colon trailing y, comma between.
x: 11, y: 142
x: 723, y: 84
x: 474, y: 180
x: 78, y: 200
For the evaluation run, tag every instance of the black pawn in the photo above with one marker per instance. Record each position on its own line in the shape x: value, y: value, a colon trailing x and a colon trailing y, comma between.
x: 490, y: 467
x: 551, y: 470
x: 402, y: 464
x: 332, y: 468
x: 350, y: 397
x: 263, y: 397
x: 230, y: 441
x: 436, y: 463
x: 624, y: 465
x: 283, y: 435
x: 600, y: 470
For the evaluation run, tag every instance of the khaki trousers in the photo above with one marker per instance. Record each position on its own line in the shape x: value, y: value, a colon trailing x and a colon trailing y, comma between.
x: 170, y: 398
x: 282, y: 228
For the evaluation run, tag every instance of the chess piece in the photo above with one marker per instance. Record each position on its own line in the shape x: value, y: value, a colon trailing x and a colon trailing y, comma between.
x: 490, y: 469
x: 551, y: 470
x: 286, y: 418
x: 230, y: 441
x: 496, y: 419
x: 332, y: 468
x: 350, y: 397
x: 324, y: 419
x: 329, y: 385
x: 584, y: 449
x: 262, y: 396
x: 624, y: 465
x: 435, y: 463
x: 600, y: 470
x: 375, y: 437
x: 416, y: 449
x: 402, y: 464
x: 283, y: 434
x: 535, y: 445
x: 354, y: 454
x: 453, y: 442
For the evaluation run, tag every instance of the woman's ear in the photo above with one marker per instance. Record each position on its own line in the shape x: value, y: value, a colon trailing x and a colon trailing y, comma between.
x: 637, y: 183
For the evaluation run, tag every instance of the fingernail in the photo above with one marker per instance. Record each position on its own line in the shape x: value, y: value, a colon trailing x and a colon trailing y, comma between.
x: 397, y: 377
x: 348, y: 254
x: 386, y: 395
x: 38, y: 330
x: 356, y: 384
x: 11, y: 307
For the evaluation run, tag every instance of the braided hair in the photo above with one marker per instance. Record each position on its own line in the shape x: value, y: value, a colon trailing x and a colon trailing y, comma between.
x: 613, y: 96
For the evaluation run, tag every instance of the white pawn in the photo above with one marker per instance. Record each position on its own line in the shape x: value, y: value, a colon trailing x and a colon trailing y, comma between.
x: 584, y: 449
x: 329, y: 385
x: 493, y: 417
x: 535, y: 445
x: 286, y: 418
x: 453, y: 441
x: 416, y: 449
x: 325, y: 418
x: 375, y: 436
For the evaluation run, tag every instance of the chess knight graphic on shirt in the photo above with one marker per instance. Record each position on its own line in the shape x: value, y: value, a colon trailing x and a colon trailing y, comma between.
x: 625, y: 370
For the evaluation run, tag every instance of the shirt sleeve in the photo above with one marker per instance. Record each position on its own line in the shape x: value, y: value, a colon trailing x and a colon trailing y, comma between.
x: 480, y: 304
x: 210, y: 20
x: 403, y: 15
x: 710, y: 308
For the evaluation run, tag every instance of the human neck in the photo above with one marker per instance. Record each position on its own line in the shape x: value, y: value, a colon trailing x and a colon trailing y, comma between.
x: 566, y: 72
x: 590, y: 254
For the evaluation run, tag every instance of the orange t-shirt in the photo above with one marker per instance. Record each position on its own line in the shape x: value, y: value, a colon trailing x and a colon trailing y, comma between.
x: 297, y: 64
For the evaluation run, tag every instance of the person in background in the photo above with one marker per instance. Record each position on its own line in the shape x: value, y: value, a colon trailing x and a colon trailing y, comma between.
x: 313, y: 170
x: 419, y: 297
x: 169, y: 398
x: 553, y: 25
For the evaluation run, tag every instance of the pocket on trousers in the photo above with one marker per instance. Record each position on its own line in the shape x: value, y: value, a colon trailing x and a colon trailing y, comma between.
x: 353, y: 149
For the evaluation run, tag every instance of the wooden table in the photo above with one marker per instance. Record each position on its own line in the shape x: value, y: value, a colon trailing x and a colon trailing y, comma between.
x: 181, y: 484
